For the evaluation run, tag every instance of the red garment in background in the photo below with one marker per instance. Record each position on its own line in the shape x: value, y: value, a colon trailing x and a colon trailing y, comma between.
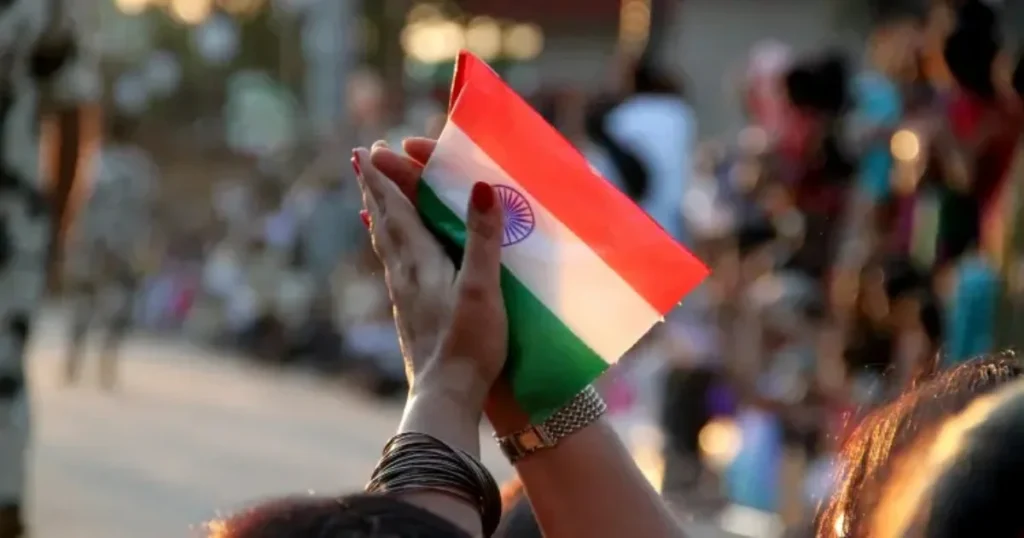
x: 969, y: 116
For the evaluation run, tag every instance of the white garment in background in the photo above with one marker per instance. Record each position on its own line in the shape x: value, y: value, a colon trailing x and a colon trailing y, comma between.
x: 660, y: 130
x: 222, y: 274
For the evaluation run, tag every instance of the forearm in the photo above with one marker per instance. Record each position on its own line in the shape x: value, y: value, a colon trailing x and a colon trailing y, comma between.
x: 436, y: 411
x: 587, y: 485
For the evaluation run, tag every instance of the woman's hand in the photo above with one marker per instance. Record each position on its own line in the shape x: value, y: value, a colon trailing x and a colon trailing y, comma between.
x: 452, y: 327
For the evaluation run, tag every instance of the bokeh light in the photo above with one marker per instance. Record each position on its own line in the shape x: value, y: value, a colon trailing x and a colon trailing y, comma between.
x: 243, y: 8
x: 634, y: 22
x: 132, y: 7
x: 720, y: 441
x: 433, y: 41
x: 483, y: 37
x: 905, y: 145
x: 191, y: 11
x: 523, y: 41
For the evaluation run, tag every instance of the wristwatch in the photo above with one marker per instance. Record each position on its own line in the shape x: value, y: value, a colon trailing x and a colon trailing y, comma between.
x: 585, y: 408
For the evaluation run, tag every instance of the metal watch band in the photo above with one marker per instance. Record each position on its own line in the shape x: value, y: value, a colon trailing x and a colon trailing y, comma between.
x: 585, y: 408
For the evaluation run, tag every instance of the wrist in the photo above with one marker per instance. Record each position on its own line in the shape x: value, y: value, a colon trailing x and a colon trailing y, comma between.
x: 503, y: 412
x: 455, y: 382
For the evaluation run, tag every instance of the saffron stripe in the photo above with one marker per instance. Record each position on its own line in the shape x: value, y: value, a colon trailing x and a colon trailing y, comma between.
x: 502, y: 125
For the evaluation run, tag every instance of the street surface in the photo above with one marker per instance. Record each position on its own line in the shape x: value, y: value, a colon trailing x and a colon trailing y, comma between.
x: 190, y: 434
x: 193, y: 434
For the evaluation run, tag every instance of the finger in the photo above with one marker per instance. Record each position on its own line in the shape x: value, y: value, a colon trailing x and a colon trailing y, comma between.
x: 402, y: 170
x: 394, y: 221
x: 419, y: 149
x: 481, y: 262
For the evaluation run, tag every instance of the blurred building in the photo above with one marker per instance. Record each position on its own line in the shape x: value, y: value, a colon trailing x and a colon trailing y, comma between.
x: 708, y: 42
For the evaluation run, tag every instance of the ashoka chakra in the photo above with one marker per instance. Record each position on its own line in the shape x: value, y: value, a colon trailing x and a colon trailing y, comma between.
x: 519, y: 218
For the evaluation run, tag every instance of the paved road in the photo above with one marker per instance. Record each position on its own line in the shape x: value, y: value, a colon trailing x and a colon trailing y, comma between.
x: 191, y: 434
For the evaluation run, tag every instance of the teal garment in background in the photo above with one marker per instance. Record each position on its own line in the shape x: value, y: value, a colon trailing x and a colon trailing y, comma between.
x: 971, y: 314
x: 752, y: 479
x: 879, y: 104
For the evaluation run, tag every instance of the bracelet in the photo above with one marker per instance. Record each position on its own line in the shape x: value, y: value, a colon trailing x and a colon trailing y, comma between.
x: 414, y: 461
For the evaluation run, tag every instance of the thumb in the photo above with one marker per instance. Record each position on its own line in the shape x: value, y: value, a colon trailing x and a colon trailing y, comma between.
x: 481, y: 262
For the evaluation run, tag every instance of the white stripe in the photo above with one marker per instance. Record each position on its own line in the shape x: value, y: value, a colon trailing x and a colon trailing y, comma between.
x: 567, y: 276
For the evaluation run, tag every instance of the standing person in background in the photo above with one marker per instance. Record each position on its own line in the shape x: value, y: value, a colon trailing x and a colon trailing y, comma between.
x: 38, y: 49
x: 108, y: 247
x: 654, y: 123
x: 985, y: 125
x: 879, y: 108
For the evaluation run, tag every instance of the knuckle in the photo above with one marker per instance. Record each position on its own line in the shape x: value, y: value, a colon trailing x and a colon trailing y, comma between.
x: 484, y: 227
x: 473, y: 291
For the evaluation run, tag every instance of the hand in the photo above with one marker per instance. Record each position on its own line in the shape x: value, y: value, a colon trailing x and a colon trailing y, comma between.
x: 452, y: 327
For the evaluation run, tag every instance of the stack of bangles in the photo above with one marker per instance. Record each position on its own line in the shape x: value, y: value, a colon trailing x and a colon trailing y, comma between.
x: 419, y: 462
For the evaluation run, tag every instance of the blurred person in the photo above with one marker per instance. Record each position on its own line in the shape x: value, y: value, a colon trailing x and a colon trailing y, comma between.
x: 869, y: 455
x: 42, y: 48
x: 879, y: 108
x: 583, y: 485
x: 652, y: 122
x: 985, y: 125
x: 819, y: 183
x: 961, y: 478
x: 330, y: 235
x: 108, y: 248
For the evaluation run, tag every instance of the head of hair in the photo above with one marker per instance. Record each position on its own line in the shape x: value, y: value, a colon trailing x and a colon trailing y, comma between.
x: 962, y: 477
x: 353, y: 516
x: 649, y: 78
x: 865, y: 460
x: 819, y: 84
x: 971, y: 49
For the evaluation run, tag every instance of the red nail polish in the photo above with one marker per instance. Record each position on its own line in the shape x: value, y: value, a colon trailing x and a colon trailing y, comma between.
x: 355, y: 163
x: 364, y: 216
x: 482, y: 197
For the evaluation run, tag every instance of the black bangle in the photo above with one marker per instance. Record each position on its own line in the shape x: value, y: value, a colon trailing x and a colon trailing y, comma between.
x: 419, y: 462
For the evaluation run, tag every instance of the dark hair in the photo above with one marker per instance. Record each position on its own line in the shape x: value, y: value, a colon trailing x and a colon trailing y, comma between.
x: 866, y: 459
x: 971, y: 49
x: 820, y: 84
x: 979, y: 487
x: 353, y: 516
x: 631, y: 170
x: 647, y: 78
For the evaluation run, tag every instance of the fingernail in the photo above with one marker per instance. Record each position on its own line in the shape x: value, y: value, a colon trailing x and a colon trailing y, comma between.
x: 364, y: 216
x: 482, y: 197
x: 355, y: 163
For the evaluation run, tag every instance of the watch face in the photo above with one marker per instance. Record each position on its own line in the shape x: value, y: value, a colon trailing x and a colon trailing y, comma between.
x: 529, y: 441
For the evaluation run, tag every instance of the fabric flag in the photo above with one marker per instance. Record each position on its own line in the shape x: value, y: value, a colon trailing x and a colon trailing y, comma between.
x: 585, y: 273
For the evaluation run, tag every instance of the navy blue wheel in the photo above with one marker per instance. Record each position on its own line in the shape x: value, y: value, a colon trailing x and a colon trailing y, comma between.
x: 519, y: 217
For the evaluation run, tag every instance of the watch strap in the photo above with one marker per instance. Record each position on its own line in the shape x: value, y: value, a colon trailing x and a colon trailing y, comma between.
x: 585, y: 408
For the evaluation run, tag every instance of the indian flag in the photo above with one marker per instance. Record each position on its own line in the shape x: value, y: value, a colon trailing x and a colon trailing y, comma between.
x: 585, y: 272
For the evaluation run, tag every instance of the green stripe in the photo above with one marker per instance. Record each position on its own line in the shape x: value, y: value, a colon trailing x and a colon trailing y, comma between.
x: 547, y: 363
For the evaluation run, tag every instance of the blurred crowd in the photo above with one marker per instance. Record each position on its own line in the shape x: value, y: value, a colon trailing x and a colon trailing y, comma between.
x: 860, y: 231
